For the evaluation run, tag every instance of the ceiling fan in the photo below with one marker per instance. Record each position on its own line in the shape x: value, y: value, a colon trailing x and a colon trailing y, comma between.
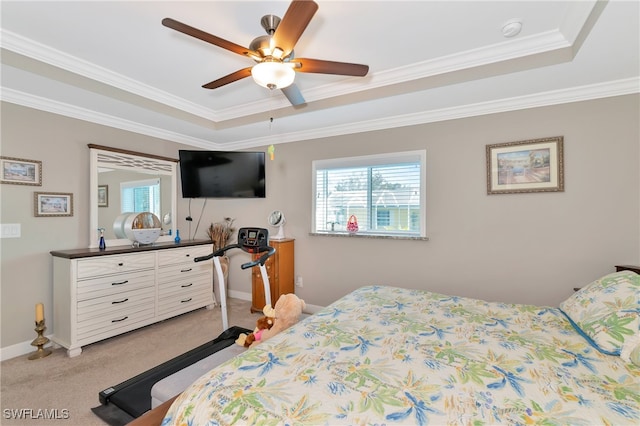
x: 276, y: 64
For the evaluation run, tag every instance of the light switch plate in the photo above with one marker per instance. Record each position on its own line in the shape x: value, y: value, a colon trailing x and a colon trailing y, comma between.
x: 10, y: 230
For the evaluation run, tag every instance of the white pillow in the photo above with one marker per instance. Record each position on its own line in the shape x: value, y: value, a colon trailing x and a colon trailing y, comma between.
x: 607, y: 312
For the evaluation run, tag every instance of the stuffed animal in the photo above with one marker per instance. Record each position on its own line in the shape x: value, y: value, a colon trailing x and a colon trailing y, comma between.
x: 286, y: 312
x: 262, y: 323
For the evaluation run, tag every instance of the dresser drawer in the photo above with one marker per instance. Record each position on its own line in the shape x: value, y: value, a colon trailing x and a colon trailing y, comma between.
x: 115, y: 323
x: 179, y: 303
x: 184, y: 287
x: 184, y: 271
x: 116, y: 305
x: 183, y: 255
x: 106, y: 265
x: 115, y: 284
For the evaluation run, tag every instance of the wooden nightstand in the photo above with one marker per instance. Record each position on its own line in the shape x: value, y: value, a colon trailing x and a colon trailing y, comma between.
x: 633, y: 268
x: 281, y: 274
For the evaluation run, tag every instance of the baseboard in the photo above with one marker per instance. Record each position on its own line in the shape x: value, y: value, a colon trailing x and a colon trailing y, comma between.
x: 312, y: 309
x: 22, y: 348
x: 239, y: 295
x: 309, y: 309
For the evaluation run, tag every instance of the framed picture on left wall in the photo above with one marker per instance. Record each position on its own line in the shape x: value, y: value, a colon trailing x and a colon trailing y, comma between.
x: 53, y: 204
x: 19, y: 171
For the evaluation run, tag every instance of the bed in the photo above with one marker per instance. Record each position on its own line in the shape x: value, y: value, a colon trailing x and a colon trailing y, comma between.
x: 389, y: 355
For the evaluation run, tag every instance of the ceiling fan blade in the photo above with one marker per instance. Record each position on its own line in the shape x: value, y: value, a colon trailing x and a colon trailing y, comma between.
x: 293, y: 24
x: 209, y: 38
x: 293, y: 94
x: 319, y: 66
x: 230, y: 78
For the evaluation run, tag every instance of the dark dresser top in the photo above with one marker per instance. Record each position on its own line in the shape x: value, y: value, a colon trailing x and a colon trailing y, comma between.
x: 92, y: 252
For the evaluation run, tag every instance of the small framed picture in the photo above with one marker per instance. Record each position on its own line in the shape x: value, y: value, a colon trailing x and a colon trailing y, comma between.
x: 19, y: 171
x: 53, y: 204
x: 535, y: 165
x: 103, y: 195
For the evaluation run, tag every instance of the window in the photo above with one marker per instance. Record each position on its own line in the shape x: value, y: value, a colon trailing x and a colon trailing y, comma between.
x: 140, y: 196
x: 385, y: 192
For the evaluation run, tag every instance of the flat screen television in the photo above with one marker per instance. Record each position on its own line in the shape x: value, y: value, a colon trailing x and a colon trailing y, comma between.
x: 222, y: 174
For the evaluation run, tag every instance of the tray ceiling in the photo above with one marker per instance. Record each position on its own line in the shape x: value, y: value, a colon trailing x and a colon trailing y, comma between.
x: 113, y: 63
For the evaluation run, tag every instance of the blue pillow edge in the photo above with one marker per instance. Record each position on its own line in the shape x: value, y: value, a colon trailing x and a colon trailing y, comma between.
x: 577, y: 328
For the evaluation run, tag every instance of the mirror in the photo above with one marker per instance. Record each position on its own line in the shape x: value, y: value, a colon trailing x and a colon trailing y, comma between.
x: 114, y: 172
x: 276, y: 219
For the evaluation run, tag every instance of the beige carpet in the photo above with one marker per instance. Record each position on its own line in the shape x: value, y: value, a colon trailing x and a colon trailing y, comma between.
x: 68, y: 387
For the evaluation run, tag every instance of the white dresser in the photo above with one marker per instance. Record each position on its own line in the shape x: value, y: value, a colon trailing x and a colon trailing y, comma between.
x: 100, y: 294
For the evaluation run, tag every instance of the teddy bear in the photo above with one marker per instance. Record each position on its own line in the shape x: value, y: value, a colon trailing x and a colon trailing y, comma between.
x: 286, y: 313
x: 262, y: 323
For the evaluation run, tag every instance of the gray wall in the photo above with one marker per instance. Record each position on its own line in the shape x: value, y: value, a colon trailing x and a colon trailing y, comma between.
x: 526, y: 248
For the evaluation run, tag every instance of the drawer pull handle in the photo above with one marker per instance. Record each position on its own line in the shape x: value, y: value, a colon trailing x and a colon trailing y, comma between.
x: 187, y: 255
x: 187, y: 300
x: 119, y: 320
x: 120, y: 264
x: 121, y: 282
x: 186, y: 270
x: 119, y: 301
x: 186, y: 285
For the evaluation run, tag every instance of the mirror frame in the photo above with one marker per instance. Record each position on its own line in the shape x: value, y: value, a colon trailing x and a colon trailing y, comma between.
x: 166, y: 166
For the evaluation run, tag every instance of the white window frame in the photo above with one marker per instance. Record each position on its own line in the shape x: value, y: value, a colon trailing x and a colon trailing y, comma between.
x: 368, y: 161
x: 140, y: 183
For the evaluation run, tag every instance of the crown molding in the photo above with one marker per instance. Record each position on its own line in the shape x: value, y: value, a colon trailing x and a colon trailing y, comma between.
x: 578, y: 18
x: 48, y: 55
x: 549, y: 98
x: 548, y: 42
x: 72, y: 111
x: 575, y: 94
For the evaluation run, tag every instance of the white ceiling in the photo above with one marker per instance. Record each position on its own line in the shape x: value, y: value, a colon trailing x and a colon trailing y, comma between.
x: 113, y: 63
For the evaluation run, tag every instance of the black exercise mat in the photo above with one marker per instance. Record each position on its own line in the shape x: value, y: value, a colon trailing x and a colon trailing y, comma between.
x: 130, y: 399
x: 112, y: 415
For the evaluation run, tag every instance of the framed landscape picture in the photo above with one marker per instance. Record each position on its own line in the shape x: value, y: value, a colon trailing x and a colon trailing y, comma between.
x: 535, y: 165
x: 103, y: 195
x: 19, y: 171
x: 53, y: 204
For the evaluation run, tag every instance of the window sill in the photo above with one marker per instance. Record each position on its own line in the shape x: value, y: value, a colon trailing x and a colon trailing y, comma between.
x: 363, y: 235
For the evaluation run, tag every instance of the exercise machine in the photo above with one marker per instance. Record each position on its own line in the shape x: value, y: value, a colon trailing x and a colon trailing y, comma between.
x: 132, y: 398
x: 250, y: 240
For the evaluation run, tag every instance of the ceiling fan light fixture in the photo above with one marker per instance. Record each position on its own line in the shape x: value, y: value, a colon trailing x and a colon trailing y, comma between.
x: 273, y: 75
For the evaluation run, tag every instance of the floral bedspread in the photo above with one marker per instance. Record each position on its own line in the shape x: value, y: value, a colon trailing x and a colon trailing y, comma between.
x: 387, y: 355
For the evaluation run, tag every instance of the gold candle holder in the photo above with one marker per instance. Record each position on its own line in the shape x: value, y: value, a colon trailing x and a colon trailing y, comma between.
x: 39, y: 342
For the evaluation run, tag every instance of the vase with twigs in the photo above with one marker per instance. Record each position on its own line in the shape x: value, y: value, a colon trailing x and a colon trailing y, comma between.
x: 221, y: 234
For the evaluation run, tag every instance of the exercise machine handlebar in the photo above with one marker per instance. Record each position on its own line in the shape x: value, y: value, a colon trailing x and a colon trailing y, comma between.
x: 219, y: 252
x: 270, y: 251
x: 261, y: 260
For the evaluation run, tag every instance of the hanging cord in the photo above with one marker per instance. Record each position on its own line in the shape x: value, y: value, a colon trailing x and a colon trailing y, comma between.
x: 189, y: 219
x: 200, y: 218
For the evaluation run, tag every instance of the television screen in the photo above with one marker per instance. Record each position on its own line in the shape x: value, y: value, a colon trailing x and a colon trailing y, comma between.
x: 222, y: 174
